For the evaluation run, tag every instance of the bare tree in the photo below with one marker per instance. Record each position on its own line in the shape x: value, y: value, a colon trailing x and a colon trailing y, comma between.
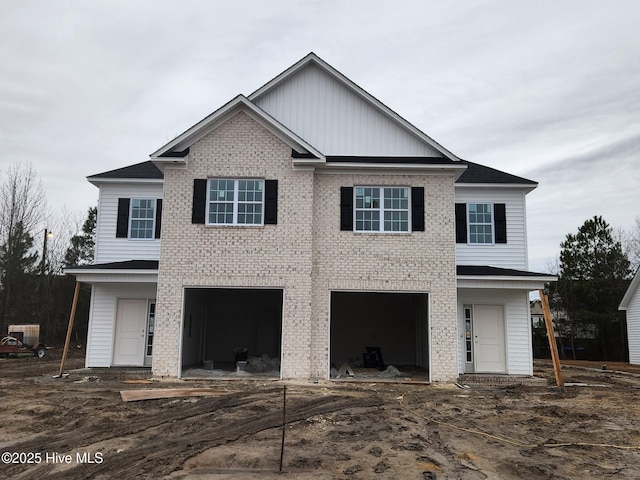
x: 22, y: 200
x: 632, y: 245
x: 22, y: 204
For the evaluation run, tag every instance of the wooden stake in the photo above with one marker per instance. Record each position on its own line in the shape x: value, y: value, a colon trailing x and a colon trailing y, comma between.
x: 553, y: 346
x: 284, y: 422
x: 72, y: 317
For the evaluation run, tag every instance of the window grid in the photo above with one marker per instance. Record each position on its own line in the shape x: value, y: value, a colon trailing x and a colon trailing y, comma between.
x: 142, y: 218
x: 393, y: 210
x: 481, y: 223
x: 235, y: 202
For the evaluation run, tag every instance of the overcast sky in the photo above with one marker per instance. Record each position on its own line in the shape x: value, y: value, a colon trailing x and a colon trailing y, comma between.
x: 548, y: 90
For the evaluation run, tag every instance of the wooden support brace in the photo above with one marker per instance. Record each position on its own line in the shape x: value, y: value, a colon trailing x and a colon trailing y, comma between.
x: 553, y: 346
x: 72, y: 317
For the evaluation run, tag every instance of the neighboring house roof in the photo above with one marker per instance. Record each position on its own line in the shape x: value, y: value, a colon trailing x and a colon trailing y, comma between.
x: 480, y: 174
x: 629, y: 294
x: 140, y: 171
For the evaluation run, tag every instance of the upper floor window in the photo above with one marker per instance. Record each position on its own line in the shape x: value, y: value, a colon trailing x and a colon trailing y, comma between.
x: 235, y: 202
x: 381, y: 209
x: 480, y: 223
x: 139, y: 218
x: 142, y: 218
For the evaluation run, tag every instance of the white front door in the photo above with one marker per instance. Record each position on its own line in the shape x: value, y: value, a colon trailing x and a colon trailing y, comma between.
x: 489, y: 345
x: 131, y: 319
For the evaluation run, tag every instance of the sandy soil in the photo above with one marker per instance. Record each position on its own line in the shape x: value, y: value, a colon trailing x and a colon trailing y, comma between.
x: 334, y: 430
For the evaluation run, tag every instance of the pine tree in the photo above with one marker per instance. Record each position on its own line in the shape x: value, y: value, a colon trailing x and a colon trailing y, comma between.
x: 594, y: 274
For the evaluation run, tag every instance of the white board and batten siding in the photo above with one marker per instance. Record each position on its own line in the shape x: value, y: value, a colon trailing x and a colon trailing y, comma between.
x: 518, y: 348
x: 102, y: 318
x: 633, y: 328
x: 336, y: 120
x: 112, y: 249
x: 512, y: 254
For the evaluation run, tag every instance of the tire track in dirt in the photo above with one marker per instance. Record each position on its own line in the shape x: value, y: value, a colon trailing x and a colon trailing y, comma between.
x: 169, y: 450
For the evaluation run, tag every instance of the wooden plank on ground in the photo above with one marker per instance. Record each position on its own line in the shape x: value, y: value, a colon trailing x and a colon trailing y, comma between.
x: 157, y: 393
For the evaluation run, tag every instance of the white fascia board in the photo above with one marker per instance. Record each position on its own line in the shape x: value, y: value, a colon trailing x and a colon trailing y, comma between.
x: 113, y: 276
x: 392, y: 168
x: 506, y: 282
x: 224, y: 113
x: 522, y: 186
x: 633, y: 286
x: 313, y: 58
x: 99, y: 181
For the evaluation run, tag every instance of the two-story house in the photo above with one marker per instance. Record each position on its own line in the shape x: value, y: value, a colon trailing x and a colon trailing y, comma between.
x: 307, y: 222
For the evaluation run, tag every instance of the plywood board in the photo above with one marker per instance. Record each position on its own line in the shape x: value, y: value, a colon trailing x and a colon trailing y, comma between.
x: 156, y: 393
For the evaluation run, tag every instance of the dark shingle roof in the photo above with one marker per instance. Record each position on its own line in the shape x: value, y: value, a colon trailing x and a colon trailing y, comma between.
x: 485, y: 270
x: 476, y: 173
x: 126, y: 265
x: 144, y: 170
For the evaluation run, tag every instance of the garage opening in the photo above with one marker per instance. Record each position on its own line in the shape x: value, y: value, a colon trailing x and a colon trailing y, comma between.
x: 234, y: 332
x: 382, y: 335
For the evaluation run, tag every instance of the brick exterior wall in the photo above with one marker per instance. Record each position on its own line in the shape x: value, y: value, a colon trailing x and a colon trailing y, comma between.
x: 416, y: 262
x: 305, y: 254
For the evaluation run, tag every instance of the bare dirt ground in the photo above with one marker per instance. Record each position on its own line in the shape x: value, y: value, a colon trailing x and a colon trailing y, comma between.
x: 334, y: 430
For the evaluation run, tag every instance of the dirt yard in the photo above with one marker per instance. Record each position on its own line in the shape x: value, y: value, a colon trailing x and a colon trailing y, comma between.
x: 79, y: 427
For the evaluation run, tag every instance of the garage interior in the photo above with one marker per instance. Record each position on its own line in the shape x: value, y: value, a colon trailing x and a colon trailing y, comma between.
x: 222, y: 327
x: 372, y: 330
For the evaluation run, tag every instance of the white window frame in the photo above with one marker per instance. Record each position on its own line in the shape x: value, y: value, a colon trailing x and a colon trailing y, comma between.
x: 493, y: 224
x: 236, y: 183
x: 153, y: 219
x: 382, y: 210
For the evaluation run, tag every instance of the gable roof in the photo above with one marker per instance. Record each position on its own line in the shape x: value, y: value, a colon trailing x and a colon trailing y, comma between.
x: 313, y: 59
x: 140, y: 171
x: 481, y: 174
x: 631, y: 291
x: 182, y: 142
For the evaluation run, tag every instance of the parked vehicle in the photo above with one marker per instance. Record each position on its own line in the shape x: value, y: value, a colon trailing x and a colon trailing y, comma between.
x: 22, y: 339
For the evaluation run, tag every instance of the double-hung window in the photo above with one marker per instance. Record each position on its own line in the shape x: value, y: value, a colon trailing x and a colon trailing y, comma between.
x: 381, y: 209
x: 480, y: 223
x: 142, y: 218
x: 235, y: 201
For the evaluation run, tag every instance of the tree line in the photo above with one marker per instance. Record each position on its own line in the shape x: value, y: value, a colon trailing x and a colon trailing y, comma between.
x: 594, y: 269
x: 33, y: 289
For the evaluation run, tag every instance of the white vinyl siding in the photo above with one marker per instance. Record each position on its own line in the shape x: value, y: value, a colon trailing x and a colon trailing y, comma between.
x: 337, y: 121
x: 517, y: 325
x: 102, y: 317
x: 112, y: 249
x: 512, y: 254
x: 633, y: 328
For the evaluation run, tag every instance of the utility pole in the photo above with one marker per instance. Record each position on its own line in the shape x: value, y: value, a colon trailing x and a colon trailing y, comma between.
x: 47, y: 233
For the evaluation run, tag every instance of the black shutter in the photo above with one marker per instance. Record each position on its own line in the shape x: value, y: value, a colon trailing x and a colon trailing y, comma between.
x: 417, y: 209
x: 158, y: 217
x: 122, y: 222
x: 199, y: 200
x: 270, y: 202
x: 461, y: 223
x: 500, y: 222
x: 346, y: 208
